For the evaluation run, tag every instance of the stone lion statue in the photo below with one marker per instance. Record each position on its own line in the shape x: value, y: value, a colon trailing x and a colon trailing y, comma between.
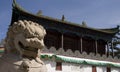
x: 23, y: 46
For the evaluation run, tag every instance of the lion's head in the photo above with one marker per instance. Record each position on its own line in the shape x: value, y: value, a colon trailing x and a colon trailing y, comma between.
x: 25, y: 37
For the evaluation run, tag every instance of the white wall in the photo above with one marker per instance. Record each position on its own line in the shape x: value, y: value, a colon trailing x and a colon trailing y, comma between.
x: 50, y: 66
x: 70, y: 67
x: 115, y: 69
x: 101, y: 69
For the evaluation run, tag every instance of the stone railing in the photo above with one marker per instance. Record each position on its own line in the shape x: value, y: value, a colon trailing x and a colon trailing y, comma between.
x: 77, y: 54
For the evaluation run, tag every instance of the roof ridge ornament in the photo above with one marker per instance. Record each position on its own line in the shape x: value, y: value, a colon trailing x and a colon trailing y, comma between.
x: 84, y: 24
x: 39, y: 12
x: 63, y: 17
x: 14, y: 3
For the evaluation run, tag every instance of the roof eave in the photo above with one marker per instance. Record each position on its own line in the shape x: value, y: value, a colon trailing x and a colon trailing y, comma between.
x: 17, y: 7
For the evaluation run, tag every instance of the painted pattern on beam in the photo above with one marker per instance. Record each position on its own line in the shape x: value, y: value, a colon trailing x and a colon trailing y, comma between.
x: 79, y: 60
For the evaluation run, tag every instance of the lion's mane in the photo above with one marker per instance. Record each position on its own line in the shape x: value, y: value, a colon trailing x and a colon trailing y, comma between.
x: 28, y: 29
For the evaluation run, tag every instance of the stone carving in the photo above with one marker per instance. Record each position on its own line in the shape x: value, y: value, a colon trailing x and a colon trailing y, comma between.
x: 69, y: 52
x: 52, y: 50
x: 23, y: 46
x: 77, y: 54
x: 61, y: 51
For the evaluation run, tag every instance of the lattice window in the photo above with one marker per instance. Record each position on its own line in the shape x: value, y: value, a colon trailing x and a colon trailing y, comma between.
x: 101, y: 47
x: 88, y: 44
x: 70, y: 43
x: 52, y: 40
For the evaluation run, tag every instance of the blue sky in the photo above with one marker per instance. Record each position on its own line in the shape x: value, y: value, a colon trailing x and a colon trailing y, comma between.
x: 96, y: 13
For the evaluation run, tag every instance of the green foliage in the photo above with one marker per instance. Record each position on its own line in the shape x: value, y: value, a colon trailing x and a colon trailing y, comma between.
x: 116, y: 44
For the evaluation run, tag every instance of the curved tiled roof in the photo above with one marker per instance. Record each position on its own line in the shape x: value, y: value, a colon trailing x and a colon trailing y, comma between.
x: 111, y: 30
x: 107, y: 31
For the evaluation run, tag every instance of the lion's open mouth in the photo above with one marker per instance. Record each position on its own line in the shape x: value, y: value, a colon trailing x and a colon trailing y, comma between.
x: 28, y: 48
x: 28, y: 52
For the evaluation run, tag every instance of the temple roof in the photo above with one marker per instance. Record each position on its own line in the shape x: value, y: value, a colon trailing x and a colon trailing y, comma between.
x: 111, y: 31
